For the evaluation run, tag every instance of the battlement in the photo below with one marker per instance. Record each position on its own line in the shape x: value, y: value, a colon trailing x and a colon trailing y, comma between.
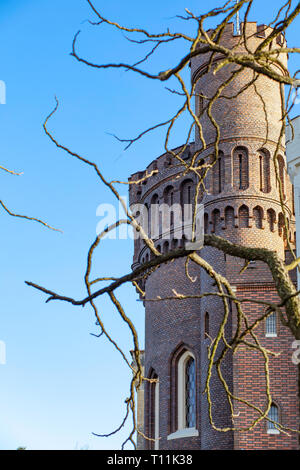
x: 255, y: 34
x: 252, y: 28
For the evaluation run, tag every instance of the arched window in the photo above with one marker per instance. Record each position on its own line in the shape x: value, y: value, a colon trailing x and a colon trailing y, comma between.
x: 273, y: 415
x: 153, y: 223
x: 206, y: 325
x: 153, y: 411
x: 243, y: 217
x: 271, y: 218
x: 187, y: 199
x: 240, y: 168
x: 205, y: 222
x: 186, y: 391
x: 229, y: 217
x: 216, y: 220
x: 258, y: 216
x: 264, y: 170
x: 169, y: 200
x: 271, y: 325
x: 281, y: 166
x: 183, y: 413
x: 190, y: 393
x: 218, y: 174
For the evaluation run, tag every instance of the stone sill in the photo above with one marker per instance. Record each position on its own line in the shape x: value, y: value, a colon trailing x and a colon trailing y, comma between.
x: 273, y: 431
x: 186, y: 432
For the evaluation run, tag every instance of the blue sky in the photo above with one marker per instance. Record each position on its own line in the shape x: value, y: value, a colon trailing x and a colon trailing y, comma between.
x: 60, y: 383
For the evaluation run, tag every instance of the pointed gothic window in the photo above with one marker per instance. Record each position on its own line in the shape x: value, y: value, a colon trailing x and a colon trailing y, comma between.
x: 229, y: 217
x: 243, y: 217
x: 190, y: 393
x: 183, y: 389
x: 186, y: 391
x: 271, y: 218
x: 258, y: 216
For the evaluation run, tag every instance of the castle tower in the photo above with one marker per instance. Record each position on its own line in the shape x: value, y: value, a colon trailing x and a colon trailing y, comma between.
x: 242, y: 205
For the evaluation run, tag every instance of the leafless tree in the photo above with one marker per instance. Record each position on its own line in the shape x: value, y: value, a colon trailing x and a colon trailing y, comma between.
x: 260, y: 62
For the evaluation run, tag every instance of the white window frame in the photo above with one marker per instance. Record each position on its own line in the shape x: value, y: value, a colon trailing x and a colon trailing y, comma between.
x: 271, y: 335
x: 182, y: 431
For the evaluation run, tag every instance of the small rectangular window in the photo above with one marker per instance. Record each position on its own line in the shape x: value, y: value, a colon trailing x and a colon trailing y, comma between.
x: 271, y: 326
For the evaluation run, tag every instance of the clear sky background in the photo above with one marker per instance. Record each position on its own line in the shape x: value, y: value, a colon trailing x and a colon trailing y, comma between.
x: 60, y: 384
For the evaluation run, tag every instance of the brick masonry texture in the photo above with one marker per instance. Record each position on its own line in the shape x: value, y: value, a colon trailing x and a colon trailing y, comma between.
x: 242, y: 205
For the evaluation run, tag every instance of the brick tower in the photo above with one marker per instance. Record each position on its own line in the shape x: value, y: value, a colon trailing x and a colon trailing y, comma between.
x: 242, y: 205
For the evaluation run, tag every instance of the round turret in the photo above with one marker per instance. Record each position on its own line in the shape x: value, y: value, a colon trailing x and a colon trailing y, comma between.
x: 241, y: 203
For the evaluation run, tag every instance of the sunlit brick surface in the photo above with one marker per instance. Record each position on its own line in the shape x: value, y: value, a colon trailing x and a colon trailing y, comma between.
x: 242, y: 205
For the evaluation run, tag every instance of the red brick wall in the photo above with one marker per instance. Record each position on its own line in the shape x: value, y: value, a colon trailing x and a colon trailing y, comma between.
x: 171, y: 326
